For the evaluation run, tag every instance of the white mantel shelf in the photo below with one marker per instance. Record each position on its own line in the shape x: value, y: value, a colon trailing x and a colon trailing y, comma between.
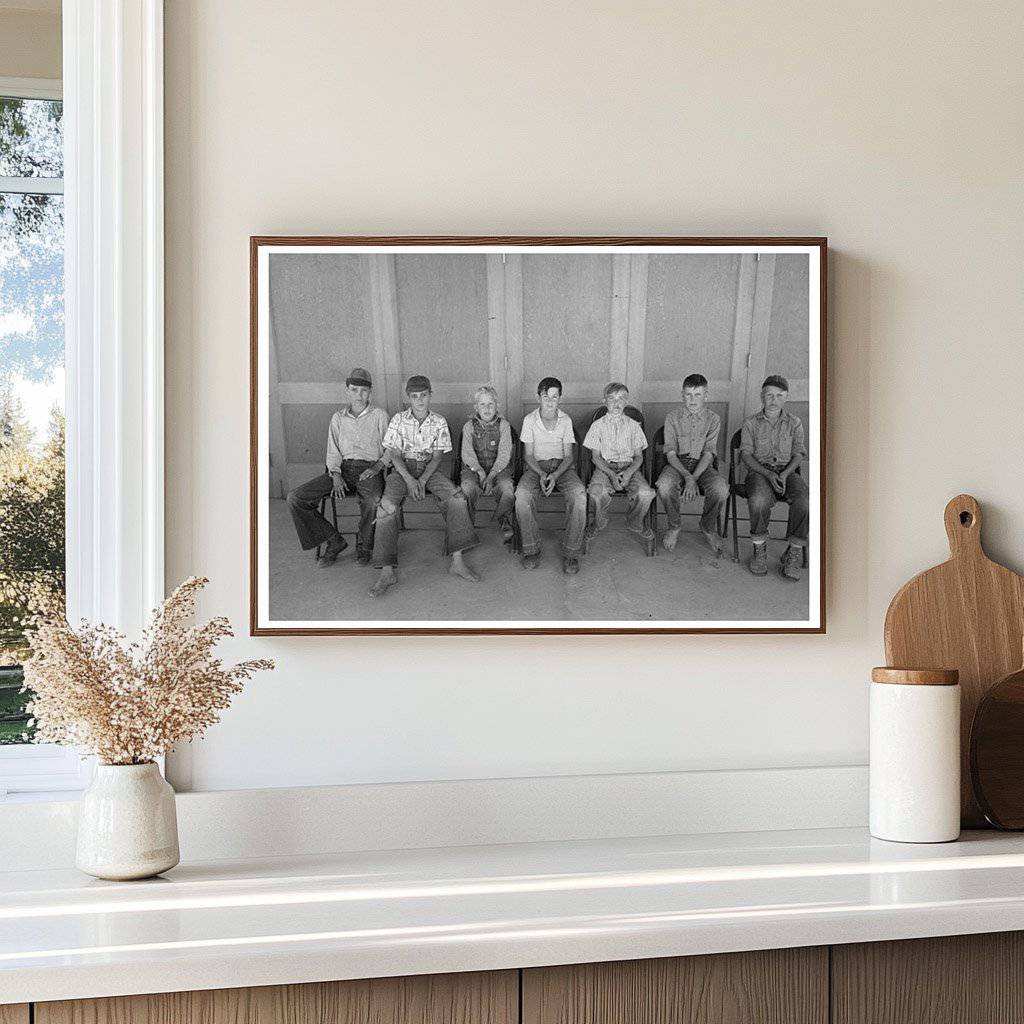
x: 269, y: 921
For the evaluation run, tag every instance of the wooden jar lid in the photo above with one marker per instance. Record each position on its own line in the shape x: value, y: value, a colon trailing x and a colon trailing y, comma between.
x: 916, y: 676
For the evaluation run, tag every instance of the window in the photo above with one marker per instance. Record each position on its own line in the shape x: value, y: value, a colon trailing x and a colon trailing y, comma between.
x: 112, y: 167
x: 31, y: 409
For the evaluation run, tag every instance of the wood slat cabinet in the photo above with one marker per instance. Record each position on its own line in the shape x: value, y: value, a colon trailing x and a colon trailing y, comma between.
x: 775, y: 986
x: 961, y: 979
x: 967, y: 979
x: 474, y: 998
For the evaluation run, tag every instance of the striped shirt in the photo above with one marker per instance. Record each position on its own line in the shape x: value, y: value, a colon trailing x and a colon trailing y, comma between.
x: 406, y: 435
x: 616, y: 439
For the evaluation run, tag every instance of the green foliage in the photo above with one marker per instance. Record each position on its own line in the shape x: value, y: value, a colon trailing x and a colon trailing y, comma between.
x: 31, y: 544
x: 14, y: 722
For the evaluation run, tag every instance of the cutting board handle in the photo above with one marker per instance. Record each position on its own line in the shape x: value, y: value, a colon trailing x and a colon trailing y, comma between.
x: 963, y: 526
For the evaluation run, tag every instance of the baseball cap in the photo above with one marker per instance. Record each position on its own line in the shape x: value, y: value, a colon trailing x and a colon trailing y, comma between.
x: 360, y: 377
x: 417, y: 382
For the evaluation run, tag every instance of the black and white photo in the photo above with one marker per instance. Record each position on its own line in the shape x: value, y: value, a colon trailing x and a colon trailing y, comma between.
x: 537, y: 435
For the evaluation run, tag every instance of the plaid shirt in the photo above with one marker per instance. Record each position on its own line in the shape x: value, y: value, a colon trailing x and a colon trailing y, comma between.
x: 408, y: 436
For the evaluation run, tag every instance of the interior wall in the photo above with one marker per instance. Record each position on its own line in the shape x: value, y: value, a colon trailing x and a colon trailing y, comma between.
x: 894, y: 129
x: 30, y: 45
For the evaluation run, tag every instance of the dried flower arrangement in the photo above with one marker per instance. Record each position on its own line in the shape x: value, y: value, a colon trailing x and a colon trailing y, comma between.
x: 130, y: 703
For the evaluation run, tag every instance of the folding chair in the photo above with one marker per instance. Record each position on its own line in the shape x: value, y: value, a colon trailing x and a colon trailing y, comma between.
x: 323, y: 509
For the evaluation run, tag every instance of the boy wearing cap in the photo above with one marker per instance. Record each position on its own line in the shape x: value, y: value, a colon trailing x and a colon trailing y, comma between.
x: 549, y: 450
x: 772, y: 446
x: 355, y: 461
x: 691, y: 444
x: 416, y: 439
x: 618, y: 444
x: 487, y: 458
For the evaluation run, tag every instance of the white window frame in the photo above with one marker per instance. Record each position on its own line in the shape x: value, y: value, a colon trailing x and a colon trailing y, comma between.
x: 114, y: 338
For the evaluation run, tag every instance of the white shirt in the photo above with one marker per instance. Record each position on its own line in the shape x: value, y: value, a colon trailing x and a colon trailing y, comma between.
x: 548, y: 444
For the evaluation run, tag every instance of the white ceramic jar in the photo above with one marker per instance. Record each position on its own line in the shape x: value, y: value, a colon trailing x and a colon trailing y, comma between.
x: 127, y: 824
x: 915, y: 755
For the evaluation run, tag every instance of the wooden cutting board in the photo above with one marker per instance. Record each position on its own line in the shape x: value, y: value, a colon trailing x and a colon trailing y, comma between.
x: 967, y: 614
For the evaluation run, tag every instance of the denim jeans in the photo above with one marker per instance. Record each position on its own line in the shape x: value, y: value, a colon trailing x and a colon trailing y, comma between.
x: 601, y: 489
x: 710, y: 484
x: 304, y: 503
x: 761, y: 498
x: 459, y: 532
x: 502, y: 489
x: 568, y: 484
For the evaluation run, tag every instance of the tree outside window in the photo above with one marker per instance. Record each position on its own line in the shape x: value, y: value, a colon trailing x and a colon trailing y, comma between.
x: 31, y: 385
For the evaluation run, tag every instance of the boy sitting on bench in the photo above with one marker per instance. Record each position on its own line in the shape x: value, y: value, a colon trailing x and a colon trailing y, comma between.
x: 416, y: 439
x: 487, y: 458
x: 618, y: 444
x: 691, y: 443
x: 355, y: 460
x: 772, y: 447
x: 549, y: 448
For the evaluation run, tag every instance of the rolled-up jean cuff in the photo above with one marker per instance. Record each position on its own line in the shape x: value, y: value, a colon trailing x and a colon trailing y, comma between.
x: 797, y: 542
x: 761, y: 538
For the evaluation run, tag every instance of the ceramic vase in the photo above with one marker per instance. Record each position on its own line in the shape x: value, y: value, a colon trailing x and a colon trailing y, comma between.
x: 127, y: 825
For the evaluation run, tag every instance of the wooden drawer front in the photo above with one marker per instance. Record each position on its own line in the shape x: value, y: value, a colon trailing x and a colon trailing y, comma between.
x: 780, y: 986
x: 478, y: 998
x: 14, y: 1013
x: 962, y: 979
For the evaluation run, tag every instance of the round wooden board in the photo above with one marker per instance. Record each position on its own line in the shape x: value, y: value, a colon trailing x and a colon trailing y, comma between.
x: 997, y: 753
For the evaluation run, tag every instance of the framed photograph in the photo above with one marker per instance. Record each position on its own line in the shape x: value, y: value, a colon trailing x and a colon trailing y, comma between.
x: 537, y: 435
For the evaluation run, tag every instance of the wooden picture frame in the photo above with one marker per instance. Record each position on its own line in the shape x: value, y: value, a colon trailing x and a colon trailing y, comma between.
x: 496, y: 325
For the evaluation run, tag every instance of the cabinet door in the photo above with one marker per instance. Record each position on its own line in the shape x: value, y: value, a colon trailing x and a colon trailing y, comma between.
x: 477, y: 998
x: 780, y: 986
x: 14, y: 1013
x: 961, y: 979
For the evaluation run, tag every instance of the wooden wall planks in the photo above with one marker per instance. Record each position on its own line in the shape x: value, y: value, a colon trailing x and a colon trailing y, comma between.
x: 15, y: 1013
x: 779, y: 986
x: 514, y: 318
x: 960, y: 979
x: 474, y: 998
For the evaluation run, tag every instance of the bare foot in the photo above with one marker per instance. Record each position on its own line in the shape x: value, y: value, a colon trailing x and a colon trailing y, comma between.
x: 711, y: 561
x: 460, y: 569
x: 386, y: 579
x: 713, y: 542
x: 668, y: 542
